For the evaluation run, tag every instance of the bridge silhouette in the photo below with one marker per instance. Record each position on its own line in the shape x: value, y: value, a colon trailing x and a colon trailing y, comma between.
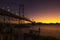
x: 6, y: 13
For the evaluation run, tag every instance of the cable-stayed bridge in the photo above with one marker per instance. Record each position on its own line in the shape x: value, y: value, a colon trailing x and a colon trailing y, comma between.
x: 6, y: 13
x: 11, y: 30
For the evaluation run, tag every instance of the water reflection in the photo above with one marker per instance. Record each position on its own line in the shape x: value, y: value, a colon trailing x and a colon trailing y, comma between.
x: 46, y: 30
x: 37, y: 32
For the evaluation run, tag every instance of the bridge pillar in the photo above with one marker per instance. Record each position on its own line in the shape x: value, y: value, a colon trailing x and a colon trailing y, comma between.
x: 21, y: 13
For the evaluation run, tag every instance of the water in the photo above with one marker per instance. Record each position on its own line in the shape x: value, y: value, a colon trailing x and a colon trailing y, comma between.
x: 46, y: 30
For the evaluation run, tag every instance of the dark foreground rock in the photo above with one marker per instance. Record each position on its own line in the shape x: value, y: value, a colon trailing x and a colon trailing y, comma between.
x: 37, y: 37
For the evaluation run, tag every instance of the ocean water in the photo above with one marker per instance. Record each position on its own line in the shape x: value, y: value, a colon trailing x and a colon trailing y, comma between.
x: 46, y: 30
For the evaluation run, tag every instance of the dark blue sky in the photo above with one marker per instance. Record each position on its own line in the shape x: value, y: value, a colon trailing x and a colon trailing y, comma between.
x: 13, y: 4
x: 37, y: 10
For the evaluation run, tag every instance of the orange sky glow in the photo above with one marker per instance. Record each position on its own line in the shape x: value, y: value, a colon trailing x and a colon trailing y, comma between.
x: 52, y: 17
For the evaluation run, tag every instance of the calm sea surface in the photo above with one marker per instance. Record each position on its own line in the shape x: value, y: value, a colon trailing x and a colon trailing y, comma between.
x: 46, y: 30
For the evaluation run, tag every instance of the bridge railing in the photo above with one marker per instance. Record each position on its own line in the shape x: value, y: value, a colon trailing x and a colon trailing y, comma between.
x: 7, y: 37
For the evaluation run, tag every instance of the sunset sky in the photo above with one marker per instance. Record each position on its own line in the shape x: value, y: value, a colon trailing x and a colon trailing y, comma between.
x: 45, y: 11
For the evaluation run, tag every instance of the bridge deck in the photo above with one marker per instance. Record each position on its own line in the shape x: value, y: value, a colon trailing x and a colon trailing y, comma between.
x: 6, y: 13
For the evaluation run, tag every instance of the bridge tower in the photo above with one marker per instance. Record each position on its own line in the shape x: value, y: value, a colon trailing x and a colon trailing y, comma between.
x: 8, y: 9
x: 21, y: 13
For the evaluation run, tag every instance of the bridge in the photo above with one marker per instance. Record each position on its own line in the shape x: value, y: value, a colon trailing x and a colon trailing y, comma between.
x: 6, y: 13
